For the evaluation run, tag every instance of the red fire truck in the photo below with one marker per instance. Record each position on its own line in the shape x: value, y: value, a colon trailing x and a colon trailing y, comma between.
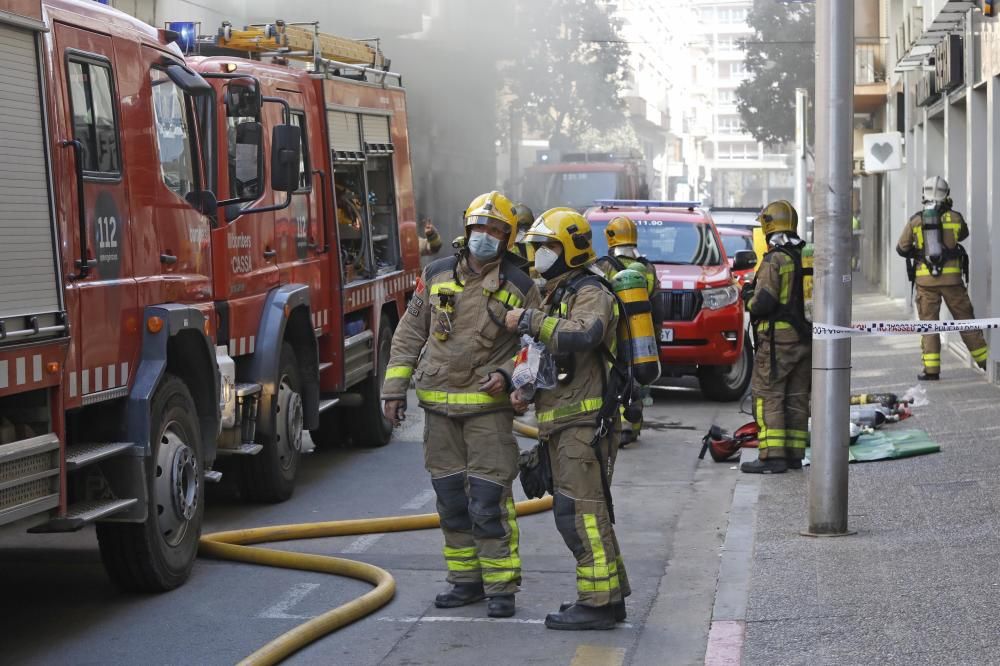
x: 168, y: 295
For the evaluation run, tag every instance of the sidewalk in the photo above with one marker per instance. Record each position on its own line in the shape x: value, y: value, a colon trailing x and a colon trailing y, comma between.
x: 918, y: 583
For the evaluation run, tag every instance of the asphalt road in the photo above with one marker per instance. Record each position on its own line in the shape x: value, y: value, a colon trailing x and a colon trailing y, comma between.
x: 57, y: 606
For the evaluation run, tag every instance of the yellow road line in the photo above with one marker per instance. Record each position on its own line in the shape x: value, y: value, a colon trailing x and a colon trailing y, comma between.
x: 598, y: 655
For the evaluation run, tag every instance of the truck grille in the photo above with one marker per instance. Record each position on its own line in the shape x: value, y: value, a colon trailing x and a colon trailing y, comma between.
x: 677, y: 304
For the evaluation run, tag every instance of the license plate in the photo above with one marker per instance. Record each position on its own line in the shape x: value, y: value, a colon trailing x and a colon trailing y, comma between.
x: 666, y: 335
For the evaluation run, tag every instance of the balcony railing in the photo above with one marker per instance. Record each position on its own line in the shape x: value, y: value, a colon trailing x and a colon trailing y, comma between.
x: 869, y: 61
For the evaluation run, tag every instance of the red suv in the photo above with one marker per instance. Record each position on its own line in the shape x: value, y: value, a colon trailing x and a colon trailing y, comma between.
x: 698, y: 296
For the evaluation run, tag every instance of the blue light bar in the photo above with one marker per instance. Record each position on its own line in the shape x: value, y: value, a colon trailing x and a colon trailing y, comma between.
x: 187, y: 34
x: 645, y: 203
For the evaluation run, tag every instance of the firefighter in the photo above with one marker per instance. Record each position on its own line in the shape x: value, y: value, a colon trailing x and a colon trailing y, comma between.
x: 524, y: 252
x: 938, y: 267
x: 782, y: 370
x: 622, y: 238
x: 453, y: 343
x: 577, y: 322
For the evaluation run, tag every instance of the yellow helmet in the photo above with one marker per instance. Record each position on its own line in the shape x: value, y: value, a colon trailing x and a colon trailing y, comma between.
x: 570, y: 229
x: 778, y: 216
x: 621, y: 231
x: 496, y: 206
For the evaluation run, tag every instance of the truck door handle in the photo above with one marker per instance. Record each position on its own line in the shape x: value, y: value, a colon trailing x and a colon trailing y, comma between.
x: 270, y: 254
x: 168, y: 259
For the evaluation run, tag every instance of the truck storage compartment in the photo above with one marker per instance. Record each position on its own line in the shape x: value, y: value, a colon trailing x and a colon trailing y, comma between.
x: 30, y: 303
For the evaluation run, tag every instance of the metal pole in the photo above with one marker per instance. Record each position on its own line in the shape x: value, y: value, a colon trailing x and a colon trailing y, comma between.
x: 800, y: 158
x: 832, y: 287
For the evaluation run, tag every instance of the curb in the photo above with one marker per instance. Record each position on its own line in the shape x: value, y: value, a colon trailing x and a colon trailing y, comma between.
x: 727, y: 633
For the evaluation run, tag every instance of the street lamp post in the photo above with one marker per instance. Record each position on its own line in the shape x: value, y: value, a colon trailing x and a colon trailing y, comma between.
x: 832, y: 287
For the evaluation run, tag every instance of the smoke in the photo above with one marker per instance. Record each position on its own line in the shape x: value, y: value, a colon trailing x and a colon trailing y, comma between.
x: 456, y: 58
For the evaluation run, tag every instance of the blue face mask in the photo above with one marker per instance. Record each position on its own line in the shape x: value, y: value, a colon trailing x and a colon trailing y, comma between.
x: 483, y: 246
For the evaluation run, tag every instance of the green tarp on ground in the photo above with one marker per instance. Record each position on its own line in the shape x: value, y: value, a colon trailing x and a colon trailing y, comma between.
x: 886, y: 444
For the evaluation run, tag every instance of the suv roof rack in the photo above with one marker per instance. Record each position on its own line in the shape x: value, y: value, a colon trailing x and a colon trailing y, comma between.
x: 605, y: 204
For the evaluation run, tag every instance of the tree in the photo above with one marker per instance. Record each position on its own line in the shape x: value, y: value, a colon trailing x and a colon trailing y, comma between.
x: 569, y: 71
x: 780, y: 57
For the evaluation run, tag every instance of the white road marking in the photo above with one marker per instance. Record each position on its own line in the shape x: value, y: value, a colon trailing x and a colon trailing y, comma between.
x: 362, y: 543
x: 420, y: 500
x: 279, y: 611
x: 504, y: 620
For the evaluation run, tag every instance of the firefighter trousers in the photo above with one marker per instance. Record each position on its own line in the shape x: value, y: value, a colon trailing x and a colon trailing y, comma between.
x: 781, y: 398
x: 581, y: 515
x: 929, y: 308
x: 473, y: 461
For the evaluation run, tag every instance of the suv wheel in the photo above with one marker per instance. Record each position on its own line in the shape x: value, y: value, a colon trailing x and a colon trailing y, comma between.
x: 726, y: 383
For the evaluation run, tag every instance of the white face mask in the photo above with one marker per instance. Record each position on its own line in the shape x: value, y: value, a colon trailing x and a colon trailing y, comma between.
x: 544, y: 259
x: 483, y: 246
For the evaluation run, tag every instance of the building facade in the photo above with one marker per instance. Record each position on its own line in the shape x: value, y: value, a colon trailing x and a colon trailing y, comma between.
x: 943, y: 96
x: 738, y: 170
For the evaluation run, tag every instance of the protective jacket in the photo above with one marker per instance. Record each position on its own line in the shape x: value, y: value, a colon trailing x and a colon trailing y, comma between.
x: 777, y: 302
x: 452, y: 335
x: 577, y: 322
x: 953, y: 231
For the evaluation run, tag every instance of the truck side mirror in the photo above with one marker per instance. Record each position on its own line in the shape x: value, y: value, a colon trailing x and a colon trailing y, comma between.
x: 203, y: 201
x: 744, y: 259
x: 286, y: 154
x: 243, y: 99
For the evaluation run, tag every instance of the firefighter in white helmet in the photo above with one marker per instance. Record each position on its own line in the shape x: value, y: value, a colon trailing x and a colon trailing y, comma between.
x: 938, y: 267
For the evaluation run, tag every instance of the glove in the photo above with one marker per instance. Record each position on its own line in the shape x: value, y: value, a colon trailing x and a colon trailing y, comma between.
x: 747, y: 293
x: 536, y: 471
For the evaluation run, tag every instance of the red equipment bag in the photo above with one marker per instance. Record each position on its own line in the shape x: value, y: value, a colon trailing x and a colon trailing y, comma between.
x: 724, y: 446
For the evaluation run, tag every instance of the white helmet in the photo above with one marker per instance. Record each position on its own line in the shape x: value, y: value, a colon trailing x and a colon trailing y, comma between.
x: 935, y: 190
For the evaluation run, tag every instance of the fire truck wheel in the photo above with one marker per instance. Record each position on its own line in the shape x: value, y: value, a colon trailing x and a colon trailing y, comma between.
x: 725, y: 383
x: 371, y: 429
x: 269, y: 476
x: 157, y: 555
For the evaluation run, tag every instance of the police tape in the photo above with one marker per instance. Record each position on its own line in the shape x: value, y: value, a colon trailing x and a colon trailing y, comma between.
x: 889, y: 328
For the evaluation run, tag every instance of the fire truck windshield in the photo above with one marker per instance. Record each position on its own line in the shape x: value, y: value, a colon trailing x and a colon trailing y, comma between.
x: 665, y: 242
x: 577, y: 189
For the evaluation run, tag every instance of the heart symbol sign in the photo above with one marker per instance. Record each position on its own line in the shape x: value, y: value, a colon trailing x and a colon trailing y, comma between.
x: 882, y: 151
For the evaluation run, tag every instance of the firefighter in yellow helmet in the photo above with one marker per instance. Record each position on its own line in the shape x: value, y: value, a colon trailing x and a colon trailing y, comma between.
x: 939, y: 267
x: 577, y: 322
x: 782, y: 370
x: 622, y: 237
x: 452, y: 341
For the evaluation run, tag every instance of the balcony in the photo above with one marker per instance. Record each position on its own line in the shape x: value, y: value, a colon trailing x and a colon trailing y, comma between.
x: 869, y: 74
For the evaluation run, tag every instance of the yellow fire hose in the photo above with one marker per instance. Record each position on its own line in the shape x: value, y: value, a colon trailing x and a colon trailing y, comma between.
x: 233, y: 545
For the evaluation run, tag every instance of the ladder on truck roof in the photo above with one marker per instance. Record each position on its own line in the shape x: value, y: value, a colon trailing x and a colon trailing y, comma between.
x: 328, y: 54
x: 302, y: 41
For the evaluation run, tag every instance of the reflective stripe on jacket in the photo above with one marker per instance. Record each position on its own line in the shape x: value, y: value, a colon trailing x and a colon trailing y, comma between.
x: 451, y: 336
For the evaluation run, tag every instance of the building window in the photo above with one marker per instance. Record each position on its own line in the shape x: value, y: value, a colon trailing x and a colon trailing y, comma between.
x: 94, y: 122
x: 730, y: 125
x: 732, y: 15
x: 737, y: 70
x: 743, y: 150
x: 725, y: 96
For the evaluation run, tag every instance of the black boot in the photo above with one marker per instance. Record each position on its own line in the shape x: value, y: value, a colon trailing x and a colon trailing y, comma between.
x: 577, y: 618
x: 461, y: 594
x: 617, y: 606
x: 982, y: 365
x: 769, y: 466
x: 501, y: 605
x: 794, y: 463
x: 926, y: 377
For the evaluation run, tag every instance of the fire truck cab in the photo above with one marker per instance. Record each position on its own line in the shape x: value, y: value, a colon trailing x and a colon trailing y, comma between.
x: 177, y: 283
